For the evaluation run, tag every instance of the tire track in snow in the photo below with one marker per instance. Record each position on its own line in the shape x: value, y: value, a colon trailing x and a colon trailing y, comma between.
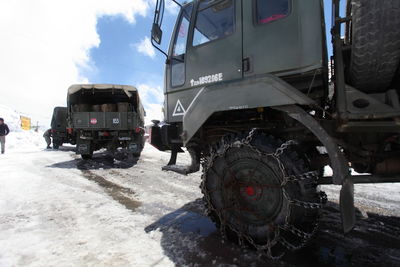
x: 118, y: 193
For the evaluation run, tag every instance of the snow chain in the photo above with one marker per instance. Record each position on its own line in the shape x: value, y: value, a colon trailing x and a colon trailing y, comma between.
x: 265, y: 249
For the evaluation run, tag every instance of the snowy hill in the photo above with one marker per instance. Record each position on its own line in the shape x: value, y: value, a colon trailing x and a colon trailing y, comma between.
x: 19, y: 139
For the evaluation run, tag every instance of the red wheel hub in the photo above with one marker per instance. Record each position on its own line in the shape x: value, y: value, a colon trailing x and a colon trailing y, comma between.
x: 250, y: 191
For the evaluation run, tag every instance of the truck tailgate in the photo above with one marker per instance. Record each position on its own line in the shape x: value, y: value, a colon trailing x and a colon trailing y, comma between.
x: 105, y: 120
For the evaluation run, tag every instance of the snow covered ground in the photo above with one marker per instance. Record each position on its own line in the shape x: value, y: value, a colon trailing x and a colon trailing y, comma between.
x: 52, y: 213
x: 58, y: 210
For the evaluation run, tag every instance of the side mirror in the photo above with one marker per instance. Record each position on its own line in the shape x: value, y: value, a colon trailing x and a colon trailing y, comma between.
x: 156, y: 33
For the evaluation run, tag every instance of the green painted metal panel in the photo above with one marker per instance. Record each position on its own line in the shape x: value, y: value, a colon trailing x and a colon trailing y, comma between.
x: 268, y: 91
x: 105, y: 120
x: 293, y: 44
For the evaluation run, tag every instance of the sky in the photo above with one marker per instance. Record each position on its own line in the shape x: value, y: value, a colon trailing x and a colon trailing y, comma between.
x: 47, y: 45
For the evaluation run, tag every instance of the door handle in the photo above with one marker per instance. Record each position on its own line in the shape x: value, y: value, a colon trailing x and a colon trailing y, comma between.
x: 246, y: 64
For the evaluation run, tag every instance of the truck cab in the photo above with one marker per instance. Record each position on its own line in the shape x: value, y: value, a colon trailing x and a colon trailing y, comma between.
x: 221, y: 41
x: 59, y: 129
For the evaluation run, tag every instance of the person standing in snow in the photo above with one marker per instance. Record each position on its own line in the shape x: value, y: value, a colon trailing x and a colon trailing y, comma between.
x: 47, y: 135
x: 3, y: 132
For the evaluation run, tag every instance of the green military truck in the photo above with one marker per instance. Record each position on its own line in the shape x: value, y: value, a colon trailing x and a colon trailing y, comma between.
x: 59, y: 131
x: 251, y: 92
x: 106, y: 116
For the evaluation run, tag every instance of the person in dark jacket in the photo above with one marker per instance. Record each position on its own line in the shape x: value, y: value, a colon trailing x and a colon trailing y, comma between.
x: 3, y: 132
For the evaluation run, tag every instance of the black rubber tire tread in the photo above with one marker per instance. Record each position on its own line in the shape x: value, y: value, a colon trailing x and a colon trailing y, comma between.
x: 137, y: 154
x: 87, y: 156
x: 306, y: 190
x: 57, y: 143
x: 375, y: 50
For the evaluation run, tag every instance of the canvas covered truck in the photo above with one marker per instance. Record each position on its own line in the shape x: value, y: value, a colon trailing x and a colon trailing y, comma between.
x: 59, y: 131
x: 251, y: 92
x: 106, y: 116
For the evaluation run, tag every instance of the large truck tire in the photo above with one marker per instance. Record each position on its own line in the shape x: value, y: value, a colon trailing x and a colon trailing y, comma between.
x: 261, y: 193
x: 57, y: 143
x: 87, y: 156
x: 375, y: 49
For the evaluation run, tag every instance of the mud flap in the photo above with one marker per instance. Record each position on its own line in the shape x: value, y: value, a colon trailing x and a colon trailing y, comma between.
x: 193, y: 167
x: 347, y: 209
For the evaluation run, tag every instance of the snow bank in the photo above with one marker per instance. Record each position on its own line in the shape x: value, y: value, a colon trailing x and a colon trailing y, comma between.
x: 11, y: 118
x: 19, y: 139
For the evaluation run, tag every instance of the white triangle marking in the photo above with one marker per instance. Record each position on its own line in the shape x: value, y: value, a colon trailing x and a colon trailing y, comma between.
x: 179, y: 110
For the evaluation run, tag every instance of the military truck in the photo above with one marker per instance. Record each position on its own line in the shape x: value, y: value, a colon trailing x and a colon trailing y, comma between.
x: 106, y: 116
x: 253, y: 95
x: 59, y: 131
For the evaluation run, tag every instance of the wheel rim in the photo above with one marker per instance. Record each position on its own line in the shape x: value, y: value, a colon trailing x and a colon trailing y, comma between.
x: 252, y: 191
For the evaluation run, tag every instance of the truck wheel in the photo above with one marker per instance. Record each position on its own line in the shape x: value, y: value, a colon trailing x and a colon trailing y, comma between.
x: 260, y: 193
x: 375, y: 49
x: 87, y: 156
x: 56, y: 145
x: 136, y: 155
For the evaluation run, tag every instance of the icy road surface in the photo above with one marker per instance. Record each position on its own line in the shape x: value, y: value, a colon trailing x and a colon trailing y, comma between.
x: 58, y: 210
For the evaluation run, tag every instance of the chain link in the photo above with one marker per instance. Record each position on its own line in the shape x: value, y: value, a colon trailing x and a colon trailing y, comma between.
x: 279, y: 151
x: 249, y: 137
x: 266, y: 249
x: 304, y: 204
x: 301, y: 177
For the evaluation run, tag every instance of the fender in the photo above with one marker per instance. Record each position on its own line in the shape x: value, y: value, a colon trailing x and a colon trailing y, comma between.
x: 339, y: 164
x: 266, y: 91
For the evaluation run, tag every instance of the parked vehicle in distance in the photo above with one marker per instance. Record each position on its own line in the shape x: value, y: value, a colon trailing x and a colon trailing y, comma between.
x: 106, y: 116
x: 59, y: 131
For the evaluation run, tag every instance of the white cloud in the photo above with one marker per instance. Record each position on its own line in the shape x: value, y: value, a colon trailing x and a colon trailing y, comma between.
x: 153, y: 112
x: 145, y: 47
x: 150, y: 93
x: 152, y: 98
x: 45, y: 42
x: 170, y: 6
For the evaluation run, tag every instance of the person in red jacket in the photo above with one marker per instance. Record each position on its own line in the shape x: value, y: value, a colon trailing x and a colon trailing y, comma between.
x: 3, y: 132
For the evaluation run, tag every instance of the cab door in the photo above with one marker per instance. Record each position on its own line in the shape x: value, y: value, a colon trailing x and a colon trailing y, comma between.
x: 206, y: 49
x: 214, y: 52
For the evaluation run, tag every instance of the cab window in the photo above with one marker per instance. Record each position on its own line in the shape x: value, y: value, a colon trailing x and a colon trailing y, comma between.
x: 215, y: 20
x: 179, y: 47
x: 271, y: 10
